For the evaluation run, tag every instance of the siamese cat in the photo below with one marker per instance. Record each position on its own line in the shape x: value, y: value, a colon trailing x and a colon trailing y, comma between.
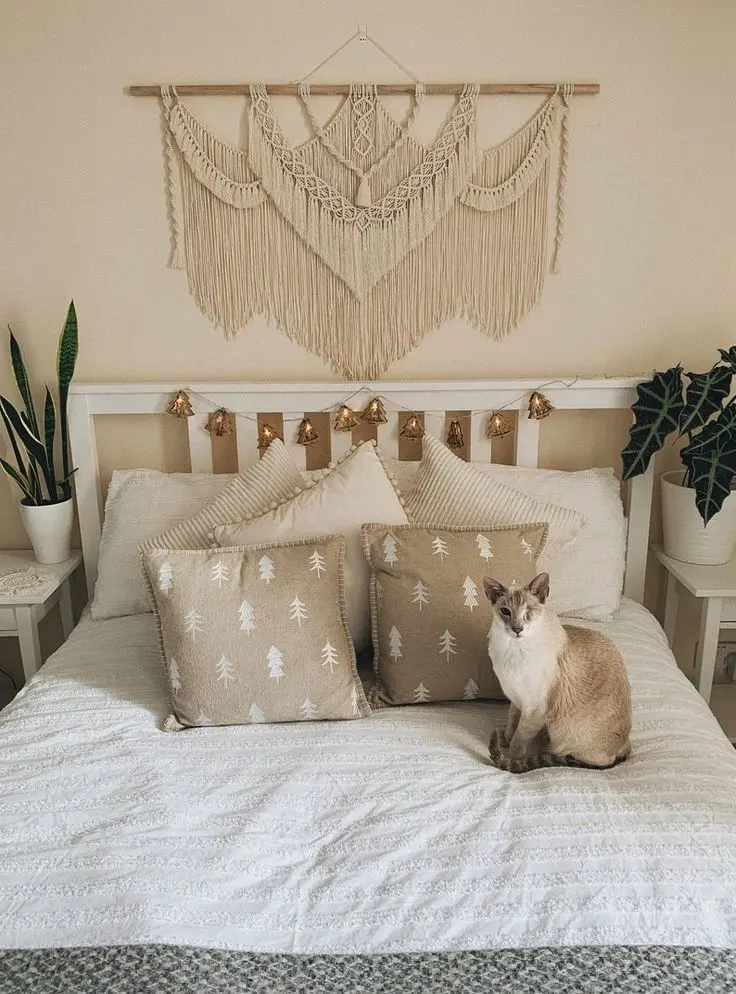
x: 566, y: 685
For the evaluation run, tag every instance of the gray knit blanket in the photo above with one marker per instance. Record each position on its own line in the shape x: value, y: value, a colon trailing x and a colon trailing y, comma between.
x: 180, y: 970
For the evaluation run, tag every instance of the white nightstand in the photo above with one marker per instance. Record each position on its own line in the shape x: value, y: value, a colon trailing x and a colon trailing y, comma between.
x: 716, y: 587
x: 20, y: 613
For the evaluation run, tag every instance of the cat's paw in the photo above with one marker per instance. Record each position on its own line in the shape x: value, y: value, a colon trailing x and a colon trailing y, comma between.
x: 504, y: 739
x: 517, y: 750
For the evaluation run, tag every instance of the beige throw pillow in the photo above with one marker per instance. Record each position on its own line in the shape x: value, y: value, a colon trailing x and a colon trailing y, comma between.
x: 429, y: 611
x: 255, y: 635
x: 357, y: 489
x: 449, y: 490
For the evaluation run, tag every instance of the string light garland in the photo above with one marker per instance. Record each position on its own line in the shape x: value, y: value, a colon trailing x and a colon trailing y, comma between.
x: 220, y: 423
x: 413, y: 427
x: 374, y: 413
x: 306, y: 433
x: 180, y: 406
x: 498, y: 425
x: 345, y: 419
x: 455, y: 439
x: 539, y: 406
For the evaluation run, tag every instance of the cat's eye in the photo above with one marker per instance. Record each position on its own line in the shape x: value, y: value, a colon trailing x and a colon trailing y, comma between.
x: 505, y: 612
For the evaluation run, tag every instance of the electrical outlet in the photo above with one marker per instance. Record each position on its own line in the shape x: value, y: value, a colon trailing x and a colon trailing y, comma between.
x: 725, y: 669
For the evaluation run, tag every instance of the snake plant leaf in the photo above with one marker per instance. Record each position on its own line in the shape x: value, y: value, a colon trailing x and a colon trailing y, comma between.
x: 729, y: 357
x: 657, y: 412
x: 22, y: 382
x: 21, y: 480
x: 16, y: 450
x: 66, y: 360
x: 49, y: 431
x: 711, y: 466
x: 703, y: 397
x: 32, y: 443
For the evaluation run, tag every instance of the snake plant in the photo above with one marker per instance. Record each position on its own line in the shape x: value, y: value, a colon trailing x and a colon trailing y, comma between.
x: 32, y: 442
x: 698, y: 408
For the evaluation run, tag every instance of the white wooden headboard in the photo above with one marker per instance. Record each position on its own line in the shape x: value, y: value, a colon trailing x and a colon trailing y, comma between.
x: 293, y: 399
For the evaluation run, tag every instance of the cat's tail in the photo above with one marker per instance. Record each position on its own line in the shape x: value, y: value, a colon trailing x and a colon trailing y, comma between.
x: 539, y: 761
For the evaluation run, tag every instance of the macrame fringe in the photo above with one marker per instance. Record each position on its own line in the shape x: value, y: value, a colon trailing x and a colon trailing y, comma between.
x: 278, y: 233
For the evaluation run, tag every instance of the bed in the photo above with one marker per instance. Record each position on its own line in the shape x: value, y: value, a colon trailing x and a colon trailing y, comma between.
x: 376, y: 855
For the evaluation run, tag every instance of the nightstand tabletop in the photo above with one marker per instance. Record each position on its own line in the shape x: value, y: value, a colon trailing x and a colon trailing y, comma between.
x: 22, y: 559
x: 700, y: 581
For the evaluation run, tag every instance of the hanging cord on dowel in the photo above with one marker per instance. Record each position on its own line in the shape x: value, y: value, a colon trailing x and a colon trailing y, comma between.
x: 565, y: 91
x: 363, y: 197
x: 172, y: 193
x: 362, y: 36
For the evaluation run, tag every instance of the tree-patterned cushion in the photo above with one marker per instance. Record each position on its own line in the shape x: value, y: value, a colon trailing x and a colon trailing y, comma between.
x: 255, y: 634
x: 429, y: 614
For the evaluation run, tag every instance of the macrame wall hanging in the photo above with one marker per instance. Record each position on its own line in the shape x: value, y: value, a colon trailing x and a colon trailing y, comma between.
x: 360, y: 240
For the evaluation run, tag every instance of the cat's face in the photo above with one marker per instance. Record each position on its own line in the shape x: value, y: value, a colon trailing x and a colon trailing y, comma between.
x: 519, y: 610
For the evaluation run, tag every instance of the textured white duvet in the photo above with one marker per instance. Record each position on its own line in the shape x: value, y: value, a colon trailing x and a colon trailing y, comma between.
x: 389, y: 833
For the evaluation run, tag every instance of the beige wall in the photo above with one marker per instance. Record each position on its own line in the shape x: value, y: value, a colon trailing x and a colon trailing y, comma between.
x: 647, y: 269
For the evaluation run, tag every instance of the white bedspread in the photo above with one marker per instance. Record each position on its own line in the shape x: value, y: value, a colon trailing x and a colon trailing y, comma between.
x: 389, y: 833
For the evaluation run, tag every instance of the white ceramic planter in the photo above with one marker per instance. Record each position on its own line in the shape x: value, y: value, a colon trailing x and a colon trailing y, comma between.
x: 685, y: 537
x: 49, y: 528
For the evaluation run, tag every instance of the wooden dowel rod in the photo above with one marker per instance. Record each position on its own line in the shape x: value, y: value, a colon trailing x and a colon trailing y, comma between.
x: 342, y: 89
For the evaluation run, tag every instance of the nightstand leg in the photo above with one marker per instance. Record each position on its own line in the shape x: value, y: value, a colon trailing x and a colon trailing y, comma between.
x: 670, y: 609
x: 65, y: 609
x: 710, y: 626
x: 30, y: 647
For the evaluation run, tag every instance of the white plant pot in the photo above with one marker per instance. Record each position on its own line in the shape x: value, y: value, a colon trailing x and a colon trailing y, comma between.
x: 49, y: 528
x: 685, y: 537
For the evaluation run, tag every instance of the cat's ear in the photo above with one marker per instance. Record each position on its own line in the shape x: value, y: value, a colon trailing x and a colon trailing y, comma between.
x: 494, y: 590
x: 540, y: 587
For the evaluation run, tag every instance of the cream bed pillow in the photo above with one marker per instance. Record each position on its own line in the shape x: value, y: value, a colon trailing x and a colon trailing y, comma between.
x: 356, y: 490
x: 141, y: 503
x: 588, y: 576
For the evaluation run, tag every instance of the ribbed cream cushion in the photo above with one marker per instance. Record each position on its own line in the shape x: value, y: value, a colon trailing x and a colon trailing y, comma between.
x: 448, y: 490
x: 272, y: 480
x: 142, y: 503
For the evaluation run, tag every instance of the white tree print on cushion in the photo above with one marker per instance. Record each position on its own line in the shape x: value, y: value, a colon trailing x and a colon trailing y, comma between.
x: 246, y: 617
x: 267, y: 568
x: 174, y: 678
x: 484, y: 547
x: 471, y: 593
x: 225, y: 671
x: 394, y: 644
x: 317, y: 564
x: 298, y: 611
x: 329, y: 657
x: 389, y: 550
x: 439, y: 548
x: 256, y: 715
x: 193, y: 624
x: 421, y: 694
x: 420, y: 594
x: 275, y: 664
x: 354, y: 700
x: 220, y: 573
x: 448, y: 642
x: 309, y: 711
x: 527, y: 549
x: 165, y: 577
x: 471, y: 690
x: 203, y: 720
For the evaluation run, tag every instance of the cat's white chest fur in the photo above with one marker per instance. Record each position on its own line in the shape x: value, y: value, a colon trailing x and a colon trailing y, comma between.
x: 526, y: 667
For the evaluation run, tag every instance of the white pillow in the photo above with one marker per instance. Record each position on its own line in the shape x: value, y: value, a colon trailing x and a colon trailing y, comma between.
x: 587, y: 578
x: 141, y: 503
x: 356, y: 490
